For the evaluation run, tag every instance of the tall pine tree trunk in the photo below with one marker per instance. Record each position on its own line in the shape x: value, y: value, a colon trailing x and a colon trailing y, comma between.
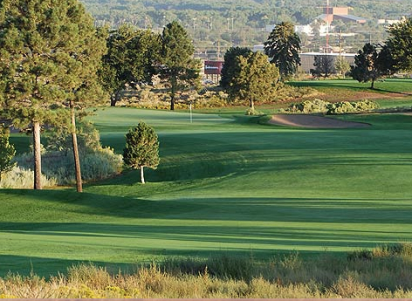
x: 79, y: 185
x: 142, y: 175
x: 173, y: 92
x: 37, y: 155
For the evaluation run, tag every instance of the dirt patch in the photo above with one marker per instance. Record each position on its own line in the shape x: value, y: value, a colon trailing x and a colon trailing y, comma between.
x: 311, y: 121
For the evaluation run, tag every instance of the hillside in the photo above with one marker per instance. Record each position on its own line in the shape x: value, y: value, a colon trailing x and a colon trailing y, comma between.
x: 217, y: 25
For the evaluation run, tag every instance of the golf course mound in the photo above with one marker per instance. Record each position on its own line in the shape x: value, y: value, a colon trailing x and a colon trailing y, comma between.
x: 311, y: 121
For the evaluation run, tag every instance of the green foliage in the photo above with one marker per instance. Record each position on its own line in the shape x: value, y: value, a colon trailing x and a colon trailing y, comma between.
x: 324, y: 66
x: 179, y: 68
x: 51, y: 52
x: 39, y: 70
x: 400, y: 44
x: 255, y: 80
x: 7, y: 152
x: 368, y: 64
x: 98, y: 164
x: 253, y: 112
x: 131, y: 58
x: 342, y: 66
x: 231, y: 65
x: 352, y: 107
x: 88, y: 138
x: 310, y: 106
x: 282, y: 47
x: 142, y: 148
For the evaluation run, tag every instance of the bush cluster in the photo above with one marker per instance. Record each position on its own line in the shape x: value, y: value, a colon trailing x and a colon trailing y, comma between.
x: 324, y: 107
x: 309, y: 107
x: 352, y: 107
x: 58, y: 163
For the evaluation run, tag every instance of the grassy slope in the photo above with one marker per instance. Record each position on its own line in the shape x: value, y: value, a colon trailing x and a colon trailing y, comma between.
x: 224, y: 185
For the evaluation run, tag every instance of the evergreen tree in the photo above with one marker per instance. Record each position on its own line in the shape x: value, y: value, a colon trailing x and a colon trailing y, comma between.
x: 342, y: 66
x: 131, y: 58
x: 7, y: 152
x: 282, y: 47
x: 50, y: 51
x: 366, y: 66
x: 400, y: 44
x: 178, y: 66
x: 324, y: 66
x: 255, y: 80
x: 230, y: 66
x: 142, y: 149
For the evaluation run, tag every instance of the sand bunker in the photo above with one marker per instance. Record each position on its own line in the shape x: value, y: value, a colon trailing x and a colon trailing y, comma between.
x: 310, y: 121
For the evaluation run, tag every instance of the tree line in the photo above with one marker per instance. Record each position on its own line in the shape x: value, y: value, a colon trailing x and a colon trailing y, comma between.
x: 55, y: 64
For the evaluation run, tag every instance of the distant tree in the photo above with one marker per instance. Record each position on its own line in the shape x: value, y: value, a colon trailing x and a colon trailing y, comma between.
x: 178, y: 66
x: 366, y: 66
x: 132, y: 57
x: 385, y: 61
x: 282, y: 47
x: 400, y: 44
x: 342, y: 66
x: 142, y: 149
x: 49, y: 50
x: 324, y: 65
x: 255, y: 80
x: 230, y: 65
x: 7, y: 152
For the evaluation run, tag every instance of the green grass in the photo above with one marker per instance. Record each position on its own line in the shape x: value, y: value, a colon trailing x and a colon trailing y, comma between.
x: 225, y: 185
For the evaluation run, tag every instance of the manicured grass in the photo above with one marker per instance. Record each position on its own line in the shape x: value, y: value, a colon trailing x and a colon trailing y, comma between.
x: 224, y: 185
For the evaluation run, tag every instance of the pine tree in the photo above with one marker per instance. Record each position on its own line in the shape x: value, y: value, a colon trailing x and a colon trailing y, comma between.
x: 132, y: 57
x: 342, y: 66
x: 324, y: 66
x: 178, y: 66
x: 50, y: 51
x: 7, y: 152
x: 282, y: 47
x: 142, y: 148
x: 255, y: 80
x: 230, y: 66
x: 400, y: 45
x: 366, y: 67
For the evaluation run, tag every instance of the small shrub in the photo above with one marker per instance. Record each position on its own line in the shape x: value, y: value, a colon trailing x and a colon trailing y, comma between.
x: 360, y: 255
x: 253, y: 112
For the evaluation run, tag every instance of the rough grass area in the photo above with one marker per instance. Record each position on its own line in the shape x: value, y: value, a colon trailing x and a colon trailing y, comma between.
x: 350, y: 90
x: 383, y: 272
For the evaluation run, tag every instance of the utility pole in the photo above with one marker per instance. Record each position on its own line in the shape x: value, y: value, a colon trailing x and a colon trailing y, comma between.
x: 327, y: 25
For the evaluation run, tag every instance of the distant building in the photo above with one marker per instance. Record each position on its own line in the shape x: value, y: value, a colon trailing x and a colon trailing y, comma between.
x: 308, y: 59
x: 331, y: 14
x: 213, y: 67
